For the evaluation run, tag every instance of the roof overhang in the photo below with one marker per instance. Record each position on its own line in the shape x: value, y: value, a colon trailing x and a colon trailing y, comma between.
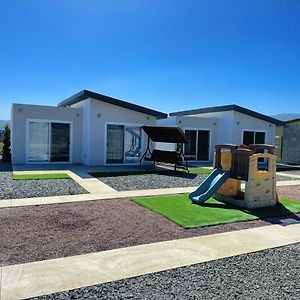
x: 85, y: 94
x: 231, y: 107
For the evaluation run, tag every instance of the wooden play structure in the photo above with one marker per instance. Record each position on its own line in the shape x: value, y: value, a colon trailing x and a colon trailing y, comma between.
x: 256, y: 166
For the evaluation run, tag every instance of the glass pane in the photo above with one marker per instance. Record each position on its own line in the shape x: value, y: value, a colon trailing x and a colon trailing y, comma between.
x: 248, y: 138
x: 203, y: 144
x: 133, y: 144
x: 260, y: 137
x: 115, y: 144
x: 60, y: 142
x: 38, y: 142
x: 190, y: 146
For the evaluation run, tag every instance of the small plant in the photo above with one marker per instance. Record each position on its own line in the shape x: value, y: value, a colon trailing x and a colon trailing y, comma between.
x: 6, y: 155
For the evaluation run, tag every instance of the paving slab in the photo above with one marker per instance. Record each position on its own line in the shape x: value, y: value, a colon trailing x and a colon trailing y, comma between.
x: 50, y: 276
x: 4, y: 204
x: 104, y: 195
x: 34, y: 201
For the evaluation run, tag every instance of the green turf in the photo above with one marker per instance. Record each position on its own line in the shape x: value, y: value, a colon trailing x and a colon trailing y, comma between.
x: 41, y: 176
x: 200, y: 171
x: 180, y: 210
x: 151, y: 172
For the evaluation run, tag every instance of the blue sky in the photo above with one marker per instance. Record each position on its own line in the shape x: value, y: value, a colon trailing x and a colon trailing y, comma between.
x: 168, y: 55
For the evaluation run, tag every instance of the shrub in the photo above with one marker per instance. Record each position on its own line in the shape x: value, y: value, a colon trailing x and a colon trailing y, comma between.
x: 6, y: 155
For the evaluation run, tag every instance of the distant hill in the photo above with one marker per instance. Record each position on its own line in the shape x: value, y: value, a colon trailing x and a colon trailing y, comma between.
x: 286, y: 116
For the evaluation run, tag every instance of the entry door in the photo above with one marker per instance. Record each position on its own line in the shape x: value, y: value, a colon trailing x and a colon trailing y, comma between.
x: 60, y: 142
x: 203, y: 145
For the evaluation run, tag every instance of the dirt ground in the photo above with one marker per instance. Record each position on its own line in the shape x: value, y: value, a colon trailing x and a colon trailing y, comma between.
x: 289, y: 192
x: 35, y: 233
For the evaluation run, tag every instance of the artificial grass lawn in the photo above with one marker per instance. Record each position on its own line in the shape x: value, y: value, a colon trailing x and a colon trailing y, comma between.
x: 41, y: 176
x: 179, y: 209
x: 151, y: 172
x: 200, y: 171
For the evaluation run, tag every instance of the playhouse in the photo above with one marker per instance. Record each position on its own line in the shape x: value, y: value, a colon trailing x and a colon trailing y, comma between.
x: 255, y: 165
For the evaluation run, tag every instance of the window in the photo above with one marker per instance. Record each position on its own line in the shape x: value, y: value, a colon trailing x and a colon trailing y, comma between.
x: 48, y: 142
x: 253, y: 137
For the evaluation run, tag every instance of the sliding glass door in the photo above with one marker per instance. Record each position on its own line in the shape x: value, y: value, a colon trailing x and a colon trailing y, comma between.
x: 60, y: 142
x: 115, y: 144
x: 197, y: 146
x: 49, y: 142
x: 38, y: 144
x: 123, y: 144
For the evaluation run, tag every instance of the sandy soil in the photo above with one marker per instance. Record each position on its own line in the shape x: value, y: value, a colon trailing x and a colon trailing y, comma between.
x: 50, y: 231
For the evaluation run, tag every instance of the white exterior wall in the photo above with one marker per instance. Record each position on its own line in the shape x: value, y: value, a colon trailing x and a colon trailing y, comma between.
x: 99, y: 115
x: 242, y: 122
x: 22, y: 113
x: 85, y: 106
x: 224, y: 123
x: 200, y: 123
x: 225, y: 127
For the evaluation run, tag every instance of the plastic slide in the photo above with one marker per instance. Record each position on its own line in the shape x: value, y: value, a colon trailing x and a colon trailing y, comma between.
x: 209, y: 186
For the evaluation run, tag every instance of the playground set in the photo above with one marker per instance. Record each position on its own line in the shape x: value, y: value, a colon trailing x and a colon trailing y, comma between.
x: 256, y: 165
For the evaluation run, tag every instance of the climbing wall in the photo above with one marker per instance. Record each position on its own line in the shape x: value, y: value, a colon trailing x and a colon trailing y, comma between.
x: 260, y: 189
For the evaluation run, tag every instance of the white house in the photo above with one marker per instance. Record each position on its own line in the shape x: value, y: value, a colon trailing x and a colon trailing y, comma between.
x: 95, y: 130
x: 87, y: 128
x: 229, y: 124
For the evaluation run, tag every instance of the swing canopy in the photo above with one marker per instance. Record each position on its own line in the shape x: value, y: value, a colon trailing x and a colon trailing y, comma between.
x: 165, y: 134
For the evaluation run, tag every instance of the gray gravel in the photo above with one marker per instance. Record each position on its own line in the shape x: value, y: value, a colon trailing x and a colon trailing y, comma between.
x: 141, y: 182
x: 15, y: 189
x: 284, y: 178
x: 155, y: 181
x: 296, y: 172
x: 269, y: 274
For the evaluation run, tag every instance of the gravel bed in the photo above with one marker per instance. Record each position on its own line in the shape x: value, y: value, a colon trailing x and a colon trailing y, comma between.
x: 268, y: 274
x: 284, y: 178
x: 34, y: 233
x: 141, y: 182
x: 15, y: 189
x: 155, y: 181
x: 294, y: 172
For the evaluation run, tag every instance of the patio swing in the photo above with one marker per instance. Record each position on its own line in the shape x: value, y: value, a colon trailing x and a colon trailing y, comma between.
x: 165, y: 134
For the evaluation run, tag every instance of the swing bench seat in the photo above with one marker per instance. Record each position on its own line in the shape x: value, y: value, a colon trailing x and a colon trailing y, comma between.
x: 164, y: 156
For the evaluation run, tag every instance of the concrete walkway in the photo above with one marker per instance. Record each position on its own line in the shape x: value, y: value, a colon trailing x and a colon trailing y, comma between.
x: 105, y: 195
x: 84, y: 179
x: 50, y: 276
x: 97, y: 189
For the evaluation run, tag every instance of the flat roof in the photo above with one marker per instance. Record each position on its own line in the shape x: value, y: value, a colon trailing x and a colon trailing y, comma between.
x: 231, y: 107
x: 85, y: 94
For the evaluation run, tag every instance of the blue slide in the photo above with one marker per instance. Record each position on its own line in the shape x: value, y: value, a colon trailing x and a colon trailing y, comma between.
x: 209, y: 186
